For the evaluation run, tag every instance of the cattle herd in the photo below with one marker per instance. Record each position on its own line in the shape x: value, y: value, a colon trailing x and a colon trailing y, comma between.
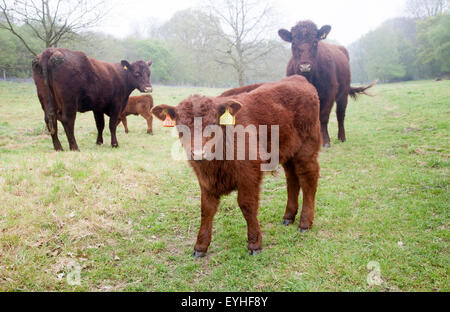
x: 296, y: 109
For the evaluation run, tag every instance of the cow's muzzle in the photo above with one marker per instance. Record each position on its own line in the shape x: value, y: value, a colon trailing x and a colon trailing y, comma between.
x: 148, y: 90
x: 305, y: 68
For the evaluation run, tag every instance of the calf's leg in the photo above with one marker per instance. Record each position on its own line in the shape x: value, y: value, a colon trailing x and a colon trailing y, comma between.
x: 248, y: 196
x: 209, y: 208
x: 340, y: 112
x: 149, y: 118
x: 100, y: 122
x: 308, y: 174
x: 293, y: 190
x: 125, y: 124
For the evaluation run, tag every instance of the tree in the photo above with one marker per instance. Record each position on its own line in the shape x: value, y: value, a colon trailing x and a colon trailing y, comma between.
x: 50, y: 21
x: 426, y: 8
x: 190, y: 36
x: 243, y: 25
x: 434, y: 44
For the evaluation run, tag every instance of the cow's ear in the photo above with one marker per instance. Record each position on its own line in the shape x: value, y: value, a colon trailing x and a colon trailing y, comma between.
x: 149, y: 63
x: 323, y: 32
x: 161, y: 112
x: 233, y: 107
x: 286, y: 35
x: 126, y: 65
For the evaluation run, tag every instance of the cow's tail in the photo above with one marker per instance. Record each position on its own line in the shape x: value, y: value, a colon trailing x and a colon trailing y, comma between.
x: 50, y: 107
x: 355, y: 91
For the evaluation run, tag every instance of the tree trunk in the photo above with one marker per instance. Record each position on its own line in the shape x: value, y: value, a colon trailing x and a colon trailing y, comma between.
x: 4, y: 74
x: 241, y: 78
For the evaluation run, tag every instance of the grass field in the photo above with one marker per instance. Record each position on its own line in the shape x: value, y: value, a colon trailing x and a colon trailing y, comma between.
x: 129, y: 217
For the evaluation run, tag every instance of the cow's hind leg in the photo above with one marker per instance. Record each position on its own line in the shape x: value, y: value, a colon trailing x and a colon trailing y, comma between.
x: 100, y: 123
x: 340, y: 112
x: 293, y: 191
x: 308, y: 175
x: 56, y: 143
x: 210, y: 203
x: 68, y: 120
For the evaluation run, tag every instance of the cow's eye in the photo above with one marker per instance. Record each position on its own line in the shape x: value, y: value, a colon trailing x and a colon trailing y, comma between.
x: 138, y: 74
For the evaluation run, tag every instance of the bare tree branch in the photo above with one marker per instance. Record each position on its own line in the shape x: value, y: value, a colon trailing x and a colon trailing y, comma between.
x: 51, y: 21
x: 241, y: 24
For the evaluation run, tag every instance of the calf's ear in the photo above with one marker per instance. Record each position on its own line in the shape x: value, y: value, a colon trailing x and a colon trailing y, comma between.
x: 126, y: 65
x: 323, y: 32
x: 233, y: 107
x: 149, y: 63
x: 285, y: 35
x: 161, y: 111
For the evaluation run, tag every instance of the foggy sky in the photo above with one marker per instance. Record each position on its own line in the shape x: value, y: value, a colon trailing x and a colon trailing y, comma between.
x: 350, y: 19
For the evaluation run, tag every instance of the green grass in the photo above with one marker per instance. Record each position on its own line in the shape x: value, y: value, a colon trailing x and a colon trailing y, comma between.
x: 130, y: 216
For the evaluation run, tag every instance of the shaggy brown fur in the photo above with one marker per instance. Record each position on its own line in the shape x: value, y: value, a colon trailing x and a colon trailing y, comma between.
x: 240, y: 90
x: 327, y: 67
x: 293, y: 105
x: 68, y: 82
x: 139, y: 105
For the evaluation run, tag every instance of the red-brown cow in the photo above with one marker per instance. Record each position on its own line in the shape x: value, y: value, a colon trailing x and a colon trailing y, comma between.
x: 292, y: 107
x: 326, y: 66
x: 139, y: 105
x: 69, y: 81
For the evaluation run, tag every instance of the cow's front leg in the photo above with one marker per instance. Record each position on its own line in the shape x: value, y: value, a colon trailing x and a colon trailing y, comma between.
x: 325, y: 110
x: 113, y: 120
x: 248, y: 202
x: 209, y: 208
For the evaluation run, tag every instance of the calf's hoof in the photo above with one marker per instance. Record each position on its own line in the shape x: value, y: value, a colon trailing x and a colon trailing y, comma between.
x: 99, y: 143
x: 287, y: 222
x: 254, y: 252
x: 150, y: 132
x: 343, y: 140
x: 115, y: 145
x: 198, y: 254
x: 304, y: 230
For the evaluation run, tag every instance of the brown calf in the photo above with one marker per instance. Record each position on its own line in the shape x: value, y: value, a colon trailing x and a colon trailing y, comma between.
x: 139, y: 105
x: 293, y: 106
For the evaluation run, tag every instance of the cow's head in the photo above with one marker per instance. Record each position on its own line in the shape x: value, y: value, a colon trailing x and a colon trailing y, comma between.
x: 139, y: 75
x: 305, y: 37
x: 189, y: 112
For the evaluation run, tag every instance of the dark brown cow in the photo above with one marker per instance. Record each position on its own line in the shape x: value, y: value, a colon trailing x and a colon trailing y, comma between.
x: 68, y: 82
x: 326, y: 66
x: 139, y: 105
x: 293, y: 106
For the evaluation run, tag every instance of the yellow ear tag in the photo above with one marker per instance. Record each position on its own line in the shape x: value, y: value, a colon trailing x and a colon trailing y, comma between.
x: 323, y: 36
x: 227, y: 119
x: 125, y: 68
x: 169, y: 123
